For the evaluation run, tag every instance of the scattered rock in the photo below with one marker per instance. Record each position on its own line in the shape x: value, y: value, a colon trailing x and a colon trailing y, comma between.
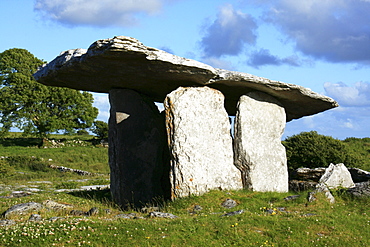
x: 92, y: 211
x: 162, y: 215
x: 126, y: 216
x: 233, y: 213
x: 66, y: 169
x: 149, y: 209
x: 7, y: 222
x: 195, y: 117
x: 78, y: 213
x: 22, y: 208
x: 337, y: 176
x: 321, y: 188
x: 259, y: 153
x: 35, y: 217
x: 291, y: 198
x: 53, y: 219
x: 57, y: 206
x: 17, y: 194
x: 360, y: 190
x: 229, y: 203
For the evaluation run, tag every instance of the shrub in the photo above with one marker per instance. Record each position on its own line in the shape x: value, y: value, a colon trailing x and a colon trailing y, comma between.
x: 5, y: 169
x: 28, y: 163
x: 100, y: 129
x: 310, y: 149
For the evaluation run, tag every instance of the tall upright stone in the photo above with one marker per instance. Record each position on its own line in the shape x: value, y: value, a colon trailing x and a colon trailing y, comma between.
x: 259, y: 154
x: 200, y: 142
x: 137, y: 149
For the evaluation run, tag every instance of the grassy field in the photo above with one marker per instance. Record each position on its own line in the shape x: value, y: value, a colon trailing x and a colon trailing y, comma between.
x: 267, y: 220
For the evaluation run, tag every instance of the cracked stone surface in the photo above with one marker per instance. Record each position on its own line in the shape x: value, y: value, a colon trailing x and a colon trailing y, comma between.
x: 124, y: 62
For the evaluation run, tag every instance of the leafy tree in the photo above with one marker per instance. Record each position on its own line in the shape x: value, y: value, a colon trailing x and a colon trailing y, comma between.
x: 309, y: 149
x: 100, y: 129
x: 35, y: 108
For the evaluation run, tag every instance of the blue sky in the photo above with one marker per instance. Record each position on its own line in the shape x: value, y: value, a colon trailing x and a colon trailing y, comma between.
x: 320, y: 44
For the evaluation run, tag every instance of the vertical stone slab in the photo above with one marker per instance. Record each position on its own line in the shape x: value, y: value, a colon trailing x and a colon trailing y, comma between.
x: 200, y: 142
x: 259, y: 154
x: 137, y: 149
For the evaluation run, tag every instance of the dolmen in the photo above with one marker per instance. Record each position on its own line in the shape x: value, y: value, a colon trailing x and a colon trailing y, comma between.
x: 189, y: 148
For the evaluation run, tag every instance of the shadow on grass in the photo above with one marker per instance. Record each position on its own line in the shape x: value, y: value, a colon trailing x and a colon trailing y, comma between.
x: 100, y: 196
x: 21, y: 142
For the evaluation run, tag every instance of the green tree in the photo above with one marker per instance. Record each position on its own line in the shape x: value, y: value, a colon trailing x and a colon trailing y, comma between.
x: 100, y: 129
x: 309, y: 149
x: 34, y: 108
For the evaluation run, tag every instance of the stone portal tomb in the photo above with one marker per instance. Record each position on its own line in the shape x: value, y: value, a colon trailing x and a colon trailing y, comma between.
x: 188, y: 149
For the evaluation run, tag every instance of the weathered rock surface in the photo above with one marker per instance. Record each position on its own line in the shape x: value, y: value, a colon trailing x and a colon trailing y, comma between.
x: 124, y: 62
x: 298, y: 185
x: 337, y: 176
x: 321, y: 188
x: 229, y: 203
x: 200, y: 142
x: 258, y: 152
x: 359, y: 175
x: 308, y: 174
x: 137, y: 148
x: 56, y: 205
x: 22, y: 208
x: 360, y: 190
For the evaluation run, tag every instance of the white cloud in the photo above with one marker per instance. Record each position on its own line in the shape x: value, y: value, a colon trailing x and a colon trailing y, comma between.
x: 96, y: 12
x: 101, y: 101
x: 332, y: 30
x: 229, y: 33
x: 356, y: 95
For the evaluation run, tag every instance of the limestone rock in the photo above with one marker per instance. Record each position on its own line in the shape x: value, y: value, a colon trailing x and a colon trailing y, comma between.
x: 200, y: 142
x: 229, y: 203
x: 337, y: 176
x: 259, y: 154
x: 137, y: 149
x: 124, y: 62
x: 360, y: 190
x: 308, y: 174
x: 359, y: 175
x: 22, y: 208
x: 298, y: 185
x: 321, y: 188
x: 56, y: 206
x: 35, y: 217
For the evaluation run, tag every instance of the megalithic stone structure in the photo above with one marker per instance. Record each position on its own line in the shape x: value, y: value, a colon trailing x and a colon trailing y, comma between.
x: 124, y: 63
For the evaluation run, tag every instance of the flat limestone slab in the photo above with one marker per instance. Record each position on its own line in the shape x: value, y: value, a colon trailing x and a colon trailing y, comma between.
x: 200, y: 142
x: 124, y: 62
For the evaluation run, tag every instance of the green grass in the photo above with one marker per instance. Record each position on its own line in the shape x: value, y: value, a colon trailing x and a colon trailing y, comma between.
x: 345, y: 223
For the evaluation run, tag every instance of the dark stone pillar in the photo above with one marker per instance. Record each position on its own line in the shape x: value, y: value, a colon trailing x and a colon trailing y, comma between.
x: 138, y: 152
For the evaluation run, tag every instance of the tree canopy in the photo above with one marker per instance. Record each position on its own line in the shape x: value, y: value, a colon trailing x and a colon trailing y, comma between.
x: 35, y: 108
x: 310, y: 149
x: 100, y: 129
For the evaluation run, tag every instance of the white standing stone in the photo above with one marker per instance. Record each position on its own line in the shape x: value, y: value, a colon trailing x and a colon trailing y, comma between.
x: 259, y: 154
x: 337, y: 176
x: 200, y: 142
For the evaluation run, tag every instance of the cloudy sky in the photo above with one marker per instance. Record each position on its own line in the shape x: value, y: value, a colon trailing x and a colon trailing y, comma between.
x: 320, y: 44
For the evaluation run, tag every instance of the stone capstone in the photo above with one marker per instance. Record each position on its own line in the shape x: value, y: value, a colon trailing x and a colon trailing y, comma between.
x: 258, y: 152
x: 137, y: 149
x: 200, y: 142
x: 337, y: 176
x: 124, y: 62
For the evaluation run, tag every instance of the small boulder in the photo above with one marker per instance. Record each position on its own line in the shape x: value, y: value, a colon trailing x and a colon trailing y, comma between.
x: 35, y: 217
x: 360, y: 190
x: 337, y: 176
x: 229, y: 203
x: 22, y: 208
x: 162, y: 215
